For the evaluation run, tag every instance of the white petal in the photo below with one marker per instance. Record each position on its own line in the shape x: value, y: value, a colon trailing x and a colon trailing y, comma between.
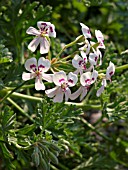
x: 34, y: 43
x: 52, y: 32
x: 31, y: 64
x: 33, y: 31
x: 110, y: 70
x: 28, y: 76
x: 94, y: 76
x: 104, y: 82
x: 59, y: 78
x: 84, y: 92
x: 59, y: 96
x: 85, y: 31
x: 67, y: 94
x: 51, y: 92
x: 76, y: 60
x: 72, y: 79
x: 42, y: 24
x: 76, y: 94
x: 39, y: 85
x: 93, y: 58
x: 48, y: 77
x: 43, y: 64
x: 83, y: 54
x: 100, y: 38
x: 99, y: 35
x: 44, y: 45
x: 99, y: 91
x: 85, y: 79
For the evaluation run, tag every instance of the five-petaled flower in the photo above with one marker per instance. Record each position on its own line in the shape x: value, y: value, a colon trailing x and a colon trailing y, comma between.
x: 37, y: 71
x: 86, y: 80
x: 46, y: 29
x: 109, y: 73
x: 62, y: 83
x: 89, y: 51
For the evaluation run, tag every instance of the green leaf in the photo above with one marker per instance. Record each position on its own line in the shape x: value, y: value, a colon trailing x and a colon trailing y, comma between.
x: 6, y: 153
x: 26, y: 129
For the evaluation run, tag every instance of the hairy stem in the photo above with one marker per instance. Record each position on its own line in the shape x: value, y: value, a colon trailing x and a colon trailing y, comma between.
x: 20, y: 109
x: 69, y: 45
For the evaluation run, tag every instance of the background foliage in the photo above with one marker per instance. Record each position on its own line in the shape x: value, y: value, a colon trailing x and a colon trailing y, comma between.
x: 35, y: 133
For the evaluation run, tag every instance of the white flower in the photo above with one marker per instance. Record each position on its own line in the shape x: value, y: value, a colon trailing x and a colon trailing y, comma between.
x: 85, y: 31
x: 37, y: 71
x: 62, y: 83
x: 46, y: 29
x: 100, y: 38
x: 109, y: 73
x: 86, y: 80
x: 80, y: 62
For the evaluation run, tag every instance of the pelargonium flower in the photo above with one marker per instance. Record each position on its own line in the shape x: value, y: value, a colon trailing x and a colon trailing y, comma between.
x: 100, y: 38
x: 80, y: 62
x: 109, y: 73
x: 62, y: 83
x: 46, y: 29
x: 85, y: 31
x: 37, y: 71
x: 86, y: 80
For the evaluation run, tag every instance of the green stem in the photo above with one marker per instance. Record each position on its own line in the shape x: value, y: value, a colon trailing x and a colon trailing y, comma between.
x: 20, y: 109
x: 9, y: 93
x: 69, y: 45
x: 94, y: 129
x: 85, y: 106
x: 88, y: 95
x: 19, y: 95
x: 118, y: 69
x: 22, y: 54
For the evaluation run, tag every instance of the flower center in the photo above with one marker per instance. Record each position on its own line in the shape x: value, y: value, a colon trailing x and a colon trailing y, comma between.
x: 64, y: 86
x: 88, y: 81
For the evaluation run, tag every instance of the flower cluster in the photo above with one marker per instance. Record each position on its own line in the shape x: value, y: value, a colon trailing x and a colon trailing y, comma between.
x: 85, y: 62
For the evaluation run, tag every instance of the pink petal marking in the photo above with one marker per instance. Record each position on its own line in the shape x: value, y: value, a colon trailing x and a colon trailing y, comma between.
x: 96, y: 58
x: 51, y: 29
x: 70, y: 80
x: 61, y: 80
x: 111, y: 73
x: 80, y: 62
x: 87, y: 81
x: 40, y: 66
x: 33, y: 67
x: 43, y: 24
x: 88, y: 31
